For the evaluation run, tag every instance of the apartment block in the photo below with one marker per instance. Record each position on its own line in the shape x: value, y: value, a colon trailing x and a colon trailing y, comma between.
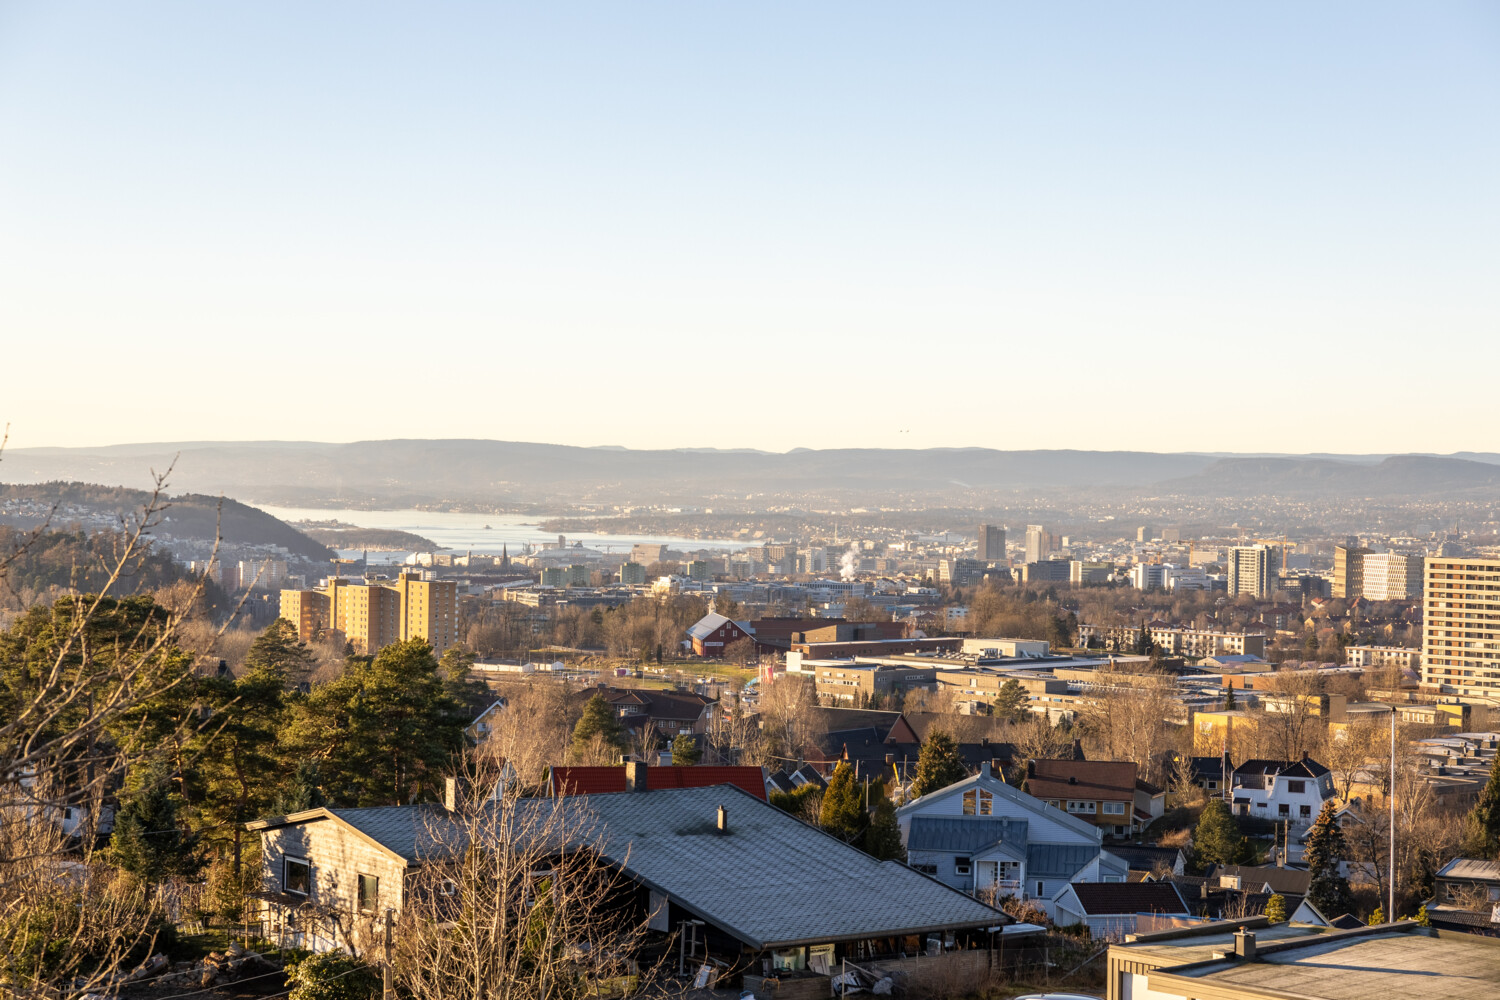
x: 1392, y: 576
x: 1461, y: 626
x: 375, y: 613
x: 1253, y: 571
x: 1348, y: 571
x: 991, y: 543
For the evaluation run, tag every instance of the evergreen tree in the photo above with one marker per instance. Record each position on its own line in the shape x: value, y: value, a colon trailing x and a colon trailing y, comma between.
x: 278, y: 650
x: 1423, y: 918
x: 599, y: 720
x: 1216, y: 838
x: 685, y: 749
x: 883, y: 838
x: 1378, y: 917
x: 1276, y: 909
x: 843, y: 813
x: 303, y: 790
x: 384, y: 732
x: 938, y: 764
x: 1327, y: 889
x: 1229, y: 702
x: 1010, y: 700
x: 1143, y: 644
x: 149, y: 841
x: 1482, y: 825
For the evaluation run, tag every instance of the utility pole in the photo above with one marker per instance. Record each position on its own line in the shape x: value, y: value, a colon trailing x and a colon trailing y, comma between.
x: 388, y: 986
x: 1390, y: 914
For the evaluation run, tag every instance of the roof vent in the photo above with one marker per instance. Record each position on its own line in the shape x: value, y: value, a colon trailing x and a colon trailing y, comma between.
x: 1072, y: 779
x: 723, y: 820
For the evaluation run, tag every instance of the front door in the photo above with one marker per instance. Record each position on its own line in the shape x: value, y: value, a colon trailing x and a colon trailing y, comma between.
x: 987, y: 875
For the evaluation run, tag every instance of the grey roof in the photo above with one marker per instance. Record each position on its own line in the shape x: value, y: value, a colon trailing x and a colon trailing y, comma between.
x: 1471, y: 868
x: 705, y: 625
x: 1287, y: 881
x: 1146, y: 857
x: 1058, y: 860
x: 967, y: 834
x: 772, y: 881
x: 998, y: 787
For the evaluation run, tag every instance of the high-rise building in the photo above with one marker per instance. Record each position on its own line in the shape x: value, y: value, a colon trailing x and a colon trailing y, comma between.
x: 1038, y: 543
x: 374, y: 614
x: 1461, y: 626
x: 991, y: 543
x: 1252, y: 570
x: 647, y: 554
x: 1392, y: 576
x: 1348, y: 571
x: 1143, y: 533
x: 632, y: 573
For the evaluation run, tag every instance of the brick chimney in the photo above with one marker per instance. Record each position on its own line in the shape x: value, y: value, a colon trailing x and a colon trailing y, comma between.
x: 635, y: 776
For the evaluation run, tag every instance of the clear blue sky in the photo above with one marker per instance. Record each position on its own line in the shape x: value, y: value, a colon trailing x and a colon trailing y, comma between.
x: 1201, y: 226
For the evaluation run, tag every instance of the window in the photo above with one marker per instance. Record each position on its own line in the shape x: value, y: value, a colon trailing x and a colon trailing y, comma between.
x: 1114, y: 809
x: 369, y: 893
x: 978, y: 802
x: 1307, y: 811
x: 1082, y: 807
x: 296, y: 876
x: 1283, y: 810
x: 962, y: 866
x: 1041, y: 889
x: 1296, y: 787
x: 1111, y: 878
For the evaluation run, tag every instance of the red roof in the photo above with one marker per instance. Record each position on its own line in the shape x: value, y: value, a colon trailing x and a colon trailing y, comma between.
x: 605, y: 780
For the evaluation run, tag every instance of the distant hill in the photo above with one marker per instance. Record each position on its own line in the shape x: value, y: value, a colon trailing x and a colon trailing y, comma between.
x: 407, y: 473
x: 187, y: 516
x: 1399, y: 475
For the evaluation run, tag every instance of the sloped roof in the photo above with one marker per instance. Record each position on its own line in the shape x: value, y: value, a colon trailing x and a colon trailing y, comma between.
x: 1058, y: 860
x: 1473, y: 869
x: 605, y: 780
x: 1144, y: 857
x: 1065, y: 779
x: 1111, y: 898
x: 996, y: 786
x: 772, y: 881
x: 706, y: 625
x: 1286, y: 881
x: 967, y: 834
x: 1308, y: 768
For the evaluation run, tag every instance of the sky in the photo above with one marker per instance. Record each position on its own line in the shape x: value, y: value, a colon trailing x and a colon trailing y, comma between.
x: 1154, y: 226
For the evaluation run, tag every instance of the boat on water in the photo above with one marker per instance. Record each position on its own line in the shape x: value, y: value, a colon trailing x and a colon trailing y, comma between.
x: 488, y: 528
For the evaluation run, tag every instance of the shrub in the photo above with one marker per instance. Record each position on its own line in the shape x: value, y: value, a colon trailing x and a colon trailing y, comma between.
x: 332, y: 975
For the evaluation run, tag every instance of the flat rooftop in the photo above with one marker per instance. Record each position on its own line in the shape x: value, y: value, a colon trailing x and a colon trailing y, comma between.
x: 1202, y: 948
x: 1407, y: 964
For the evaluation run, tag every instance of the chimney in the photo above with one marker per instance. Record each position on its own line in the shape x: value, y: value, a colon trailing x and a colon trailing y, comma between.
x: 635, y: 776
x: 890, y: 758
x: 997, y: 766
x: 1244, y: 945
x: 984, y: 741
x: 723, y: 820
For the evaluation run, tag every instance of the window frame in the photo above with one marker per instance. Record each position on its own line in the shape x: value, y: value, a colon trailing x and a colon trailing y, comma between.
x: 289, y: 860
x: 370, y: 903
x: 963, y: 865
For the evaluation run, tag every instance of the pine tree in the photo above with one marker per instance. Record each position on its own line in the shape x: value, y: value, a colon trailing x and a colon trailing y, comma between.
x: 1327, y: 889
x: 1482, y: 825
x: 1276, y: 909
x: 1216, y: 838
x: 1229, y: 703
x: 599, y: 720
x: 843, y: 813
x: 148, y: 840
x: 938, y: 764
x: 883, y: 838
x: 1010, y: 700
x: 685, y: 749
x: 303, y: 790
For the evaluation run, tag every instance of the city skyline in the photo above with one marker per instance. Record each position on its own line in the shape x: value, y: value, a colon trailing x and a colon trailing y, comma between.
x: 256, y: 215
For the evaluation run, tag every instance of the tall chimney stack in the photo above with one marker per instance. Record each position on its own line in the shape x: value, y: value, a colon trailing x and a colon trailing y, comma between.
x: 635, y: 776
x: 723, y: 820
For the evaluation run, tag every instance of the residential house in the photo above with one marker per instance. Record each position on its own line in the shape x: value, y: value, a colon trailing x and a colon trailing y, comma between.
x: 982, y: 835
x: 713, y: 632
x: 753, y: 887
x: 1115, y: 909
x: 1212, y: 774
x: 672, y: 713
x: 1147, y: 860
x: 1282, y: 790
x: 1103, y: 792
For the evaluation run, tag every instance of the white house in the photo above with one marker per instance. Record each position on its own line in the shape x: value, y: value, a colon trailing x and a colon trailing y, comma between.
x: 983, y: 836
x: 1281, y: 790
